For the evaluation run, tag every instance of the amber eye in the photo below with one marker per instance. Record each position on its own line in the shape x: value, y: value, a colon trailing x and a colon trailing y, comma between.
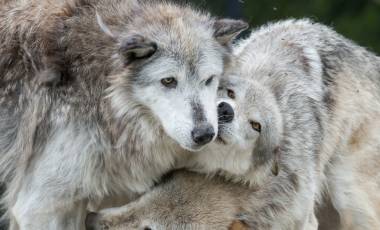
x: 231, y: 94
x: 209, y: 81
x: 256, y: 126
x: 169, y: 82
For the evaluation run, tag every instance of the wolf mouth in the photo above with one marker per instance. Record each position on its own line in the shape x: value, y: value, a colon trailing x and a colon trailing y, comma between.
x: 219, y: 138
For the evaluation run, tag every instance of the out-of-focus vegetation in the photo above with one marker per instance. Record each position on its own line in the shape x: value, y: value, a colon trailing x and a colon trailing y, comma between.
x: 358, y: 20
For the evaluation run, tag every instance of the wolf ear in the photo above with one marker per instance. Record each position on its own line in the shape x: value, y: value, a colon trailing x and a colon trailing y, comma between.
x: 136, y: 47
x: 103, y: 26
x: 226, y: 30
x: 133, y: 46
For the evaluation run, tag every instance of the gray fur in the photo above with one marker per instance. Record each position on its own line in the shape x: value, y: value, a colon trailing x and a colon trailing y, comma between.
x: 205, y: 211
x: 82, y: 113
x: 323, y: 92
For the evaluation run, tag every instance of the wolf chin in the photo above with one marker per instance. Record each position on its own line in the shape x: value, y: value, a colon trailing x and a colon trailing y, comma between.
x: 101, y: 98
x: 323, y: 93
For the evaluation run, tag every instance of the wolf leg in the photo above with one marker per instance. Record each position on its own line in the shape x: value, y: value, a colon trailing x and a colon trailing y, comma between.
x: 33, y: 212
x: 34, y: 216
x: 312, y: 223
x: 54, y: 189
x: 352, y: 202
x: 13, y: 223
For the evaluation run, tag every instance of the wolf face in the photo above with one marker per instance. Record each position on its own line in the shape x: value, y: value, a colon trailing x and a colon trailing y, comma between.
x: 174, y: 63
x: 249, y: 133
x: 249, y: 120
x: 181, y: 98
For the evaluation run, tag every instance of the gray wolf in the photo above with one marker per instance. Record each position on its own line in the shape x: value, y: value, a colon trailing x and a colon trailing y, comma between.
x: 206, y: 210
x: 318, y: 94
x: 101, y: 98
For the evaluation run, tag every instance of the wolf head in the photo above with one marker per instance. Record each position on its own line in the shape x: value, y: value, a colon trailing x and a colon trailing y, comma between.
x: 250, y: 120
x: 173, y: 57
x: 249, y: 135
x: 274, y: 75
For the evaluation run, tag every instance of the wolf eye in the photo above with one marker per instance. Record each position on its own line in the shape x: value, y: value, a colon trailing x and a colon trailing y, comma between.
x: 256, y: 126
x: 230, y: 93
x: 209, y: 81
x: 169, y: 82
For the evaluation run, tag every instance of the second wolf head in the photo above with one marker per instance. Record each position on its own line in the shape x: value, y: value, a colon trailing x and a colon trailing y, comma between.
x: 249, y: 136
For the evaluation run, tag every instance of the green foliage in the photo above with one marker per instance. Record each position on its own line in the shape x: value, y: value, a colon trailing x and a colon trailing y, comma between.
x: 358, y: 20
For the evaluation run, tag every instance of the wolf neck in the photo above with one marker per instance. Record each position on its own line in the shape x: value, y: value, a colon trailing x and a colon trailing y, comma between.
x: 140, y: 149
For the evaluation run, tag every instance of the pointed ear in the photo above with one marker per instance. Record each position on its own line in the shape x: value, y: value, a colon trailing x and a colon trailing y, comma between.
x: 226, y: 30
x: 136, y: 47
x: 103, y: 26
x: 133, y: 46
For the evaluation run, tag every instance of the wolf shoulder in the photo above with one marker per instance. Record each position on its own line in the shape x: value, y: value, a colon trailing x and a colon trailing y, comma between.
x: 337, y: 53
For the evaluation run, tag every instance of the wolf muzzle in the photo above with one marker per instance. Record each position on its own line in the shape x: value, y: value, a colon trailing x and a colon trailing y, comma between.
x: 203, y: 134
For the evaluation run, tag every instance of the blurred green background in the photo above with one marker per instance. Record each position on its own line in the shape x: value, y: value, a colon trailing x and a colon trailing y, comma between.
x: 358, y: 20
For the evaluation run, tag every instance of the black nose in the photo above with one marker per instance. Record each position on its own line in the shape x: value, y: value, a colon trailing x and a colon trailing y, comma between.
x: 225, y: 113
x: 203, y: 134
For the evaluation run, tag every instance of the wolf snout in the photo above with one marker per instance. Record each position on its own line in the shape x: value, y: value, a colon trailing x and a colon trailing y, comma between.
x: 202, y: 135
x: 225, y: 113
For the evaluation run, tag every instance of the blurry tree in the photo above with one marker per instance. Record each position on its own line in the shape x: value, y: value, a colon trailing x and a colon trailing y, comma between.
x: 358, y: 20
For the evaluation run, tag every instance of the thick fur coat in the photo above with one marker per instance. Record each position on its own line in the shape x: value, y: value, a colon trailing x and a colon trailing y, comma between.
x: 101, y: 98
x: 323, y: 92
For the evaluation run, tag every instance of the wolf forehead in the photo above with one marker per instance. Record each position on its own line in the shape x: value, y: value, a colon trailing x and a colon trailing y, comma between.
x: 183, y: 36
x: 195, y: 58
x: 175, y: 28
